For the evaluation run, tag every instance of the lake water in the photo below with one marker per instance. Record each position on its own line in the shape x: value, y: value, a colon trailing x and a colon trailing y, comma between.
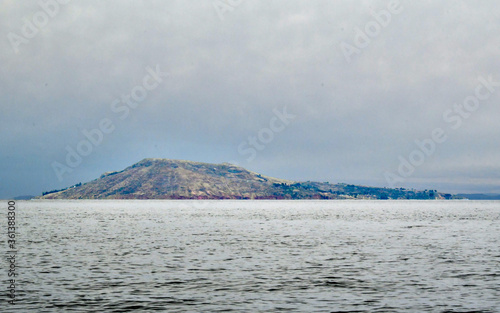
x: 256, y: 256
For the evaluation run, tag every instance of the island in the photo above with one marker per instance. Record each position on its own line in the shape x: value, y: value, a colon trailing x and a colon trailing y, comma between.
x: 180, y: 179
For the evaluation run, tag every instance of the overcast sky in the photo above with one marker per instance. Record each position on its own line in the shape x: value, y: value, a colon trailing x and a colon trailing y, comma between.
x: 362, y: 89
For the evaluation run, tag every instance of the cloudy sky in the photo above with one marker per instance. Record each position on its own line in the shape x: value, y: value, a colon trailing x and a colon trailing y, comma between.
x: 337, y: 91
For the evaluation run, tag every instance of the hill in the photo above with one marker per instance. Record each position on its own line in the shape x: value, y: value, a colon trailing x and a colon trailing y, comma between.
x: 178, y: 179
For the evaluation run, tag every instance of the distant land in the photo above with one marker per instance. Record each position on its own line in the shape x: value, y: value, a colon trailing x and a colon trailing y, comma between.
x: 479, y: 196
x: 23, y: 197
x: 178, y: 179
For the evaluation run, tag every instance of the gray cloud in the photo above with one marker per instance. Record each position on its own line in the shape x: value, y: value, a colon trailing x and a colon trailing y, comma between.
x: 225, y: 78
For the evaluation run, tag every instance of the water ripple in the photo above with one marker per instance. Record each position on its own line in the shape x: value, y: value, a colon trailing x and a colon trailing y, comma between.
x: 258, y: 256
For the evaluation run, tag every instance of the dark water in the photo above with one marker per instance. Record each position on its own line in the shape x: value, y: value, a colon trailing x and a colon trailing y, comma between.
x: 257, y: 256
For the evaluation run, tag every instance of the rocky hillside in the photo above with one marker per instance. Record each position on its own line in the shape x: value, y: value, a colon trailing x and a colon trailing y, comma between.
x: 176, y: 179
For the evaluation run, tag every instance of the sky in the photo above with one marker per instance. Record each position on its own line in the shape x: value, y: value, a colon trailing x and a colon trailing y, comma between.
x: 379, y: 93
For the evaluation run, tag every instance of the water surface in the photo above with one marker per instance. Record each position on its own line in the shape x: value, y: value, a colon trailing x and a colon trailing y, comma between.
x: 257, y: 256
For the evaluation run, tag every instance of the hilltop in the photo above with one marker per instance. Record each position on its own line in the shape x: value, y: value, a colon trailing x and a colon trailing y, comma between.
x: 179, y: 179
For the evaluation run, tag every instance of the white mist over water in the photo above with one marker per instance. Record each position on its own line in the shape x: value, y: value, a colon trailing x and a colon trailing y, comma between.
x: 258, y: 256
